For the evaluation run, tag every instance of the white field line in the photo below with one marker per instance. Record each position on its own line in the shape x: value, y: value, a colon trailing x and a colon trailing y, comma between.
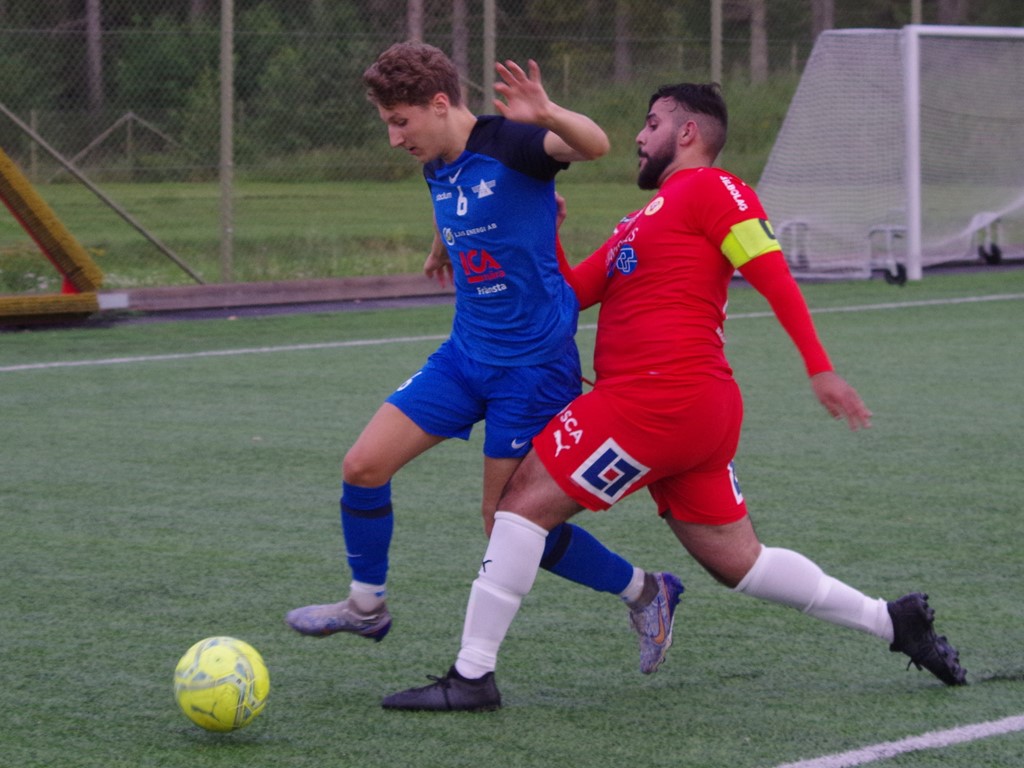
x: 409, y: 339
x: 217, y: 353
x: 898, y: 305
x: 932, y: 740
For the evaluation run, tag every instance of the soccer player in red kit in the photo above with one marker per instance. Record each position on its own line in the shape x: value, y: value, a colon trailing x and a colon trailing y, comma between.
x: 665, y: 412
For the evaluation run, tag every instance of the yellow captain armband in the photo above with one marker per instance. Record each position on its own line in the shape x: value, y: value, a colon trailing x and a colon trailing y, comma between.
x: 748, y: 240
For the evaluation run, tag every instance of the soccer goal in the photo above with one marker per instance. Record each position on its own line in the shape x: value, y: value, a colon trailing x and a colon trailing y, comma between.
x: 902, y: 149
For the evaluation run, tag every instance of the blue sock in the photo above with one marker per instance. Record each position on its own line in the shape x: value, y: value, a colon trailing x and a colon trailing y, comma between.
x: 367, y: 520
x: 574, y: 554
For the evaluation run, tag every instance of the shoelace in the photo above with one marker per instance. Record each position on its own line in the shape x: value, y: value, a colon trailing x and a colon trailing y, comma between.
x: 445, y: 681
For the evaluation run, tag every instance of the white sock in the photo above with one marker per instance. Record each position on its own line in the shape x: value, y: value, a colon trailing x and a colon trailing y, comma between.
x: 787, y: 577
x: 506, y: 575
x: 367, y: 598
x: 635, y: 588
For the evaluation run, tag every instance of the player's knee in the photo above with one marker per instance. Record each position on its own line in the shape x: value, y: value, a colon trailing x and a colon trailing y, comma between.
x: 359, y: 468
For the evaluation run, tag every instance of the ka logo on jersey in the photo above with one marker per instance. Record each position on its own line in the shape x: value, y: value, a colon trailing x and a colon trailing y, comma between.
x: 479, y: 265
x: 609, y: 472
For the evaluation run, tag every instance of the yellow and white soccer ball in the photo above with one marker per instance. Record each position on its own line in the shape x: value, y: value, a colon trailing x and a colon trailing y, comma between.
x: 221, y: 683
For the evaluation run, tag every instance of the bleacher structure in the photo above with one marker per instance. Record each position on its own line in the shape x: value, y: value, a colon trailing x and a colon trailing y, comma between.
x: 902, y: 150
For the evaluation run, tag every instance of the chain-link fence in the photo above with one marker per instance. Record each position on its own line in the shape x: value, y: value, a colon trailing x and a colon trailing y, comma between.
x: 132, y: 94
x: 129, y: 91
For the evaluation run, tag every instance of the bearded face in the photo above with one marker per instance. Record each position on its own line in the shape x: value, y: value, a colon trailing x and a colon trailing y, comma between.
x: 656, y: 143
x: 653, y: 164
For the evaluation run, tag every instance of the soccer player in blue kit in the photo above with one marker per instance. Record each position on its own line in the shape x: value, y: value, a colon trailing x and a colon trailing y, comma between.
x: 511, y: 359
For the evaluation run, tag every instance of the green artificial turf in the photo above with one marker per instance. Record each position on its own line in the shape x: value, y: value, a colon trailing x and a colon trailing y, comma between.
x: 151, y: 495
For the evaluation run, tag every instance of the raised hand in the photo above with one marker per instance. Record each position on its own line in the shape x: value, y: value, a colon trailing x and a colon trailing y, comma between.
x: 526, y: 101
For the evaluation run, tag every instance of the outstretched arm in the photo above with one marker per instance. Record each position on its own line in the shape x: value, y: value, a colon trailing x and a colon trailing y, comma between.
x: 571, y: 135
x: 769, y: 274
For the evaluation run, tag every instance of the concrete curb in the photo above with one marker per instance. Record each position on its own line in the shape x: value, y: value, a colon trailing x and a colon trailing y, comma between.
x: 228, y: 295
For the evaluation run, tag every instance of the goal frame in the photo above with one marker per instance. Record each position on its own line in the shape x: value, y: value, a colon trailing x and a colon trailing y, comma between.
x: 912, y: 34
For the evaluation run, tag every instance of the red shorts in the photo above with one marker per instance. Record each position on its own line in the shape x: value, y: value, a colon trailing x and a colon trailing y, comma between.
x: 677, y: 439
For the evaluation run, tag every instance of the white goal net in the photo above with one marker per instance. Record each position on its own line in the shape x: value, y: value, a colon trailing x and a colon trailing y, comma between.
x: 902, y: 149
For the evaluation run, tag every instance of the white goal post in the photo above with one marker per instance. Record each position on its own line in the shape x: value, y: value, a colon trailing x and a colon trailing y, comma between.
x: 901, y: 149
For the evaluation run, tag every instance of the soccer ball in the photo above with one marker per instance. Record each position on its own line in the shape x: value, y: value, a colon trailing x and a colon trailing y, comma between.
x: 221, y: 683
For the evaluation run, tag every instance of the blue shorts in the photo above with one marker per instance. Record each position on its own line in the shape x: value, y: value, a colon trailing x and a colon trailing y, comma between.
x: 452, y: 392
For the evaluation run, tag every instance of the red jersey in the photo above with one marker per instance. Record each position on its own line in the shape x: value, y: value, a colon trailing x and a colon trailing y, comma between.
x: 663, y: 278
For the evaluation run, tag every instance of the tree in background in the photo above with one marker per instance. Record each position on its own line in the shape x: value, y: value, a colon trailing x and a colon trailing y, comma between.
x: 80, y: 65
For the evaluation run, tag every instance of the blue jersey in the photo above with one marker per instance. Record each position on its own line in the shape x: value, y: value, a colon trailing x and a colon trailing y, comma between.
x: 495, y: 209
